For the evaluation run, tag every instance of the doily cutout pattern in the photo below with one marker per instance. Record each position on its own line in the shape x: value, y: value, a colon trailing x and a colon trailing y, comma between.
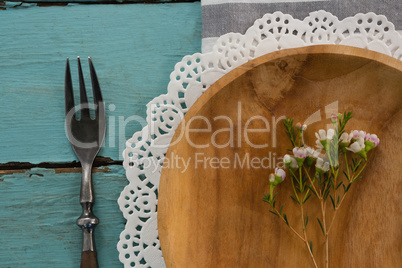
x: 144, y: 154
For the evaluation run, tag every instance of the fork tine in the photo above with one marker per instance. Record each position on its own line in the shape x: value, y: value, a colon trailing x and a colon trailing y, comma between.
x: 68, y: 89
x: 83, y: 93
x: 95, y: 84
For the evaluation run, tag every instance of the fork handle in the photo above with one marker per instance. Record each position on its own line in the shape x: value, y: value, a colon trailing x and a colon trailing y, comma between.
x: 87, y: 221
x: 88, y: 259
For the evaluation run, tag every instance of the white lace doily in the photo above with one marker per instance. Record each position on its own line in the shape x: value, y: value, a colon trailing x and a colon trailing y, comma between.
x: 145, y: 151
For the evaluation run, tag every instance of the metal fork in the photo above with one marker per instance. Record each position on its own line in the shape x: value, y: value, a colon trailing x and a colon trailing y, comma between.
x: 86, y: 137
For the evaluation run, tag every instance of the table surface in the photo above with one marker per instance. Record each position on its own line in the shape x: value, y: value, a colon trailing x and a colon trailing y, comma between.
x: 134, y: 48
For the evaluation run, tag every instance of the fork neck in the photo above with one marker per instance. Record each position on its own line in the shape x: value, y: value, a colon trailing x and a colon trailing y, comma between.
x: 86, y: 194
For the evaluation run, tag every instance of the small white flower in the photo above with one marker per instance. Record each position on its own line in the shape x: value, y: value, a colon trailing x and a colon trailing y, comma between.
x: 324, y: 137
x: 318, y: 144
x: 287, y: 159
x: 280, y: 173
x: 321, y: 165
x: 344, y: 141
x: 356, y: 134
x: 334, y: 118
x: 290, y: 162
x: 358, y: 147
x: 330, y: 134
x: 300, y: 152
x: 278, y: 177
x: 321, y: 135
x: 371, y: 141
x: 272, y: 178
x: 345, y: 138
x: 312, y: 153
x: 373, y: 138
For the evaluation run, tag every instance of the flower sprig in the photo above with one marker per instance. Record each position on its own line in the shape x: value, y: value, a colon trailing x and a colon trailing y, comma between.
x: 318, y: 172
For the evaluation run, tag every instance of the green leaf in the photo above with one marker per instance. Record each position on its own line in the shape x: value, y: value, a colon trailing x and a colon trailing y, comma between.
x: 286, y: 219
x: 311, y: 247
x: 298, y: 189
x: 326, y: 193
x: 344, y: 121
x: 306, y: 198
x: 312, y: 190
x: 305, y: 178
x: 306, y: 222
x: 358, y: 178
x: 273, y: 212
x: 322, y: 228
x: 347, y: 188
x: 339, y: 199
x: 331, y: 183
x: 356, y: 164
x: 294, y: 198
x: 288, y: 123
x: 332, y: 201
x: 273, y: 204
x: 346, y: 175
x: 266, y: 199
x: 339, y: 185
x: 280, y: 211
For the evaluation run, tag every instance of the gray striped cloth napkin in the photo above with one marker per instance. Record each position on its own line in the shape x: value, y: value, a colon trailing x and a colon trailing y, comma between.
x: 223, y: 16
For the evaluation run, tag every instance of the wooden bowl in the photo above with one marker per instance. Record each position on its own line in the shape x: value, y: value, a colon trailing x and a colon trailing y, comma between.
x: 215, y: 217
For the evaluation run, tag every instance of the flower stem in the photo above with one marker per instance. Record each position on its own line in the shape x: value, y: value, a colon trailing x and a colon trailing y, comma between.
x: 301, y: 180
x: 323, y: 205
x: 302, y: 216
x: 305, y: 236
x: 271, y: 193
x: 312, y: 183
x: 347, y: 165
x: 290, y: 227
x: 304, y: 239
x: 293, y: 185
x: 360, y: 171
x: 344, y: 195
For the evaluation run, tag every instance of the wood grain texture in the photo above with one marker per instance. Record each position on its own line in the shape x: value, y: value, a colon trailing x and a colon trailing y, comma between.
x: 38, y: 213
x: 134, y: 49
x: 105, y: 1
x: 214, y: 217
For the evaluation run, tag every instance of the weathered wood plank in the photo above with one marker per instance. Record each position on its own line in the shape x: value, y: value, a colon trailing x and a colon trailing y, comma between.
x: 215, y: 201
x: 105, y: 1
x: 38, y: 213
x: 134, y: 49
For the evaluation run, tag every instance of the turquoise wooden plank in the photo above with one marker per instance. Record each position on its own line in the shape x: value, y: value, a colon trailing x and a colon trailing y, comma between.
x: 38, y: 213
x: 134, y: 49
x: 105, y: 1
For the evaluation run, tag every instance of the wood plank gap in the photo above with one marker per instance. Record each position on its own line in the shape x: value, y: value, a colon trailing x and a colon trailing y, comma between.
x: 100, y: 2
x: 56, y: 170
x: 24, y: 166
